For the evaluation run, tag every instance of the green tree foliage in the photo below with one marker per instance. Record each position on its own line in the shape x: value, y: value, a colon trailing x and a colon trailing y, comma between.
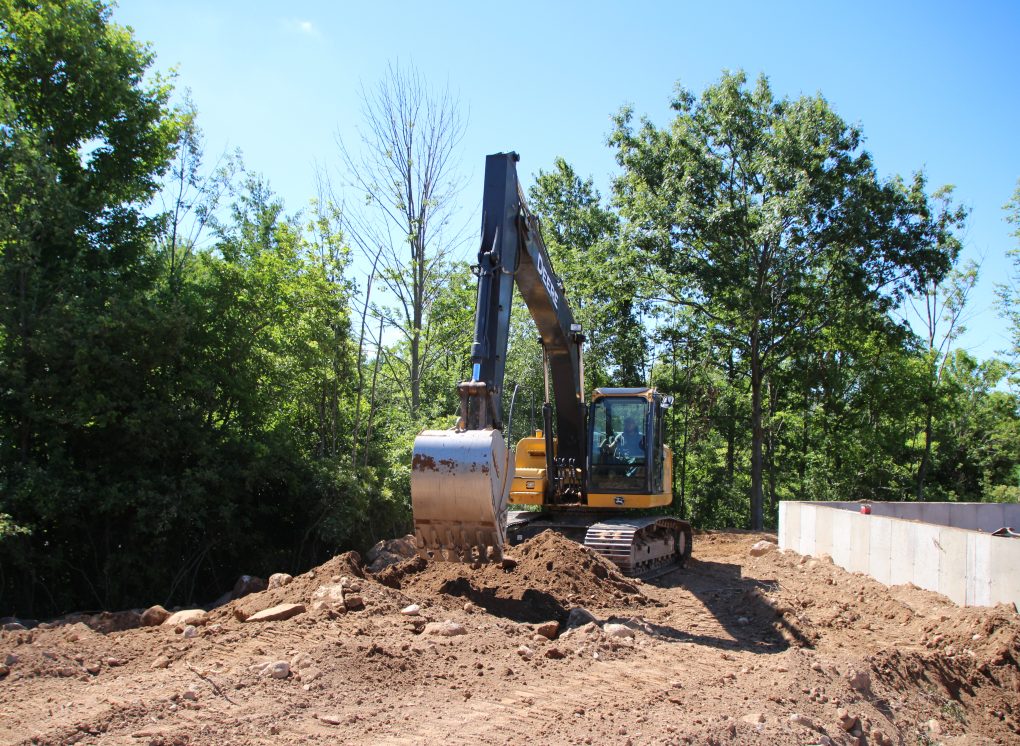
x: 1009, y: 291
x: 193, y: 388
x: 766, y: 217
x: 173, y: 414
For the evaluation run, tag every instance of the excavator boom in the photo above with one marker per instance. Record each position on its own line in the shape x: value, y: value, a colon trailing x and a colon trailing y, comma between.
x: 462, y: 478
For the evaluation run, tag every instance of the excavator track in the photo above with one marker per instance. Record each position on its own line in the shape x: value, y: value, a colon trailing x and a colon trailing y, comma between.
x: 642, y: 547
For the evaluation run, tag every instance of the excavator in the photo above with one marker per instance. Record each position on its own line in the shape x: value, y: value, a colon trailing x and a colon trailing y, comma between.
x: 595, y: 479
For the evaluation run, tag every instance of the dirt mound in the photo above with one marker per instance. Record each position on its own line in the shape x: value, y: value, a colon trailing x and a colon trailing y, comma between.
x: 544, y: 578
x: 298, y: 590
x: 735, y: 648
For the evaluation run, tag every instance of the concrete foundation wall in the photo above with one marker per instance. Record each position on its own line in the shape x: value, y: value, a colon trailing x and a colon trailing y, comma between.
x: 973, y: 516
x: 948, y: 550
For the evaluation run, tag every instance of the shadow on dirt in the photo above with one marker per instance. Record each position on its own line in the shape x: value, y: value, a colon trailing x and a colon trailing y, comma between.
x: 738, y: 604
x: 533, y: 606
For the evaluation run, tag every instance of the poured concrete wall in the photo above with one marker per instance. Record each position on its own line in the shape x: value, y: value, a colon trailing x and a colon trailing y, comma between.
x: 949, y: 551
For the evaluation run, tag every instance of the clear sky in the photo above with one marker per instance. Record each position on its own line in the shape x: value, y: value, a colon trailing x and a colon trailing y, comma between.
x: 932, y: 84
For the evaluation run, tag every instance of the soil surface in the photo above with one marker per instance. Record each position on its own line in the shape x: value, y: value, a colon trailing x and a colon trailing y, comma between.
x: 733, y: 649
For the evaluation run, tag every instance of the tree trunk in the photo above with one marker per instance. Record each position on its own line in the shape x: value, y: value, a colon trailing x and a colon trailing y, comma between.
x: 922, y: 469
x: 757, y: 436
x: 731, y: 423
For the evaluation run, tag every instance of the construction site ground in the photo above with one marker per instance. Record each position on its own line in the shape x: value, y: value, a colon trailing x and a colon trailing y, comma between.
x: 733, y: 649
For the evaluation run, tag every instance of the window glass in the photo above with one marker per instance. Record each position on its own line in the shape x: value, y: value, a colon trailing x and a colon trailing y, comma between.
x: 618, y: 445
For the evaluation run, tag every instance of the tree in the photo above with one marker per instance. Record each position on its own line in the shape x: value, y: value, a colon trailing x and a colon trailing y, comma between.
x: 1009, y: 292
x: 601, y: 278
x: 765, y: 216
x: 406, y: 171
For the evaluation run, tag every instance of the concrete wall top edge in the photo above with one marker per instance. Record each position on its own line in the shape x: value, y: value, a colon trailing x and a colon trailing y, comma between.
x: 982, y: 517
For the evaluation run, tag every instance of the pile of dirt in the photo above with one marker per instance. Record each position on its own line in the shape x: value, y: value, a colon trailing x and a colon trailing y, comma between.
x: 541, y: 580
x: 740, y: 647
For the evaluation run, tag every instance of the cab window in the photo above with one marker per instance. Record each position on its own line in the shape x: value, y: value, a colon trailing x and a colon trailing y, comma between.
x: 619, y: 444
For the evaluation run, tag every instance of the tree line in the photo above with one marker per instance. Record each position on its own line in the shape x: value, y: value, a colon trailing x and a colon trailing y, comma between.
x: 195, y: 382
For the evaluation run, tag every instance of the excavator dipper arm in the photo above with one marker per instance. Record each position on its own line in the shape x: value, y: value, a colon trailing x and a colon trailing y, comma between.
x: 460, y: 478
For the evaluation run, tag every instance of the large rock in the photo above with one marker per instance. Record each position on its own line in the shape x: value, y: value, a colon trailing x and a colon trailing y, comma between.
x: 154, y: 616
x: 762, y: 547
x: 279, y: 579
x: 185, y: 617
x: 276, y: 670
x: 548, y: 630
x: 277, y: 613
x: 247, y: 584
x: 445, y: 629
x: 579, y: 616
x: 390, y: 552
x: 618, y: 630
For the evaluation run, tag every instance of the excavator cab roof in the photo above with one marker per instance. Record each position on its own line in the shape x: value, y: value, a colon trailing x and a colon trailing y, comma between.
x: 643, y: 391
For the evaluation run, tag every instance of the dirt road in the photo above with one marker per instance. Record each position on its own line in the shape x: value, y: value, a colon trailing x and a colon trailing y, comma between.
x: 734, y: 649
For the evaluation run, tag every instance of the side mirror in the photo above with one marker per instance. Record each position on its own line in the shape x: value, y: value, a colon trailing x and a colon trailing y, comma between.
x: 667, y: 402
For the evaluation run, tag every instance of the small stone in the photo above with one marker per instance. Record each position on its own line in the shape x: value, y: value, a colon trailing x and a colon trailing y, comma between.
x: 190, y: 694
x: 743, y: 620
x: 824, y: 740
x: 860, y: 680
x: 11, y: 659
x: 555, y: 653
x: 578, y: 617
x: 186, y: 616
x: 846, y: 721
x: 154, y: 616
x: 276, y: 670
x: 353, y: 602
x: 329, y: 594
x: 508, y: 564
x: 445, y: 629
x: 161, y: 661
x: 4, y: 669
x: 548, y: 630
x: 754, y: 718
x: 412, y: 610
x: 113, y: 662
x: 278, y: 580
x: 762, y: 547
x: 880, y: 738
x: 803, y: 720
x: 934, y: 727
x: 331, y: 719
x: 618, y: 630
x: 14, y: 627
x: 277, y: 613
x: 525, y: 652
x: 93, y: 668
x: 190, y: 631
x: 308, y: 675
x: 470, y: 607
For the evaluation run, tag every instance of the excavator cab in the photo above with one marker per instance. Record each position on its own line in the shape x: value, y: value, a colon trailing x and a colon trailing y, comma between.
x: 627, y: 457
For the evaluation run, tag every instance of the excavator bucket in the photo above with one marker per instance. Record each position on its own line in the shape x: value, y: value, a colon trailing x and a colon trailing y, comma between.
x: 460, y: 483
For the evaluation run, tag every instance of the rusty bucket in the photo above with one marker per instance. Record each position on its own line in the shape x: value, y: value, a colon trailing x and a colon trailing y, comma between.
x: 460, y: 483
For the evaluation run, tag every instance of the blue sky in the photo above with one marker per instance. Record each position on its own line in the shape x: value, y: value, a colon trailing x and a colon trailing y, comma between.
x: 933, y: 85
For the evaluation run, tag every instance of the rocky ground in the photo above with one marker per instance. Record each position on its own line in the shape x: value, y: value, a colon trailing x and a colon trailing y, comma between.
x: 553, y: 648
